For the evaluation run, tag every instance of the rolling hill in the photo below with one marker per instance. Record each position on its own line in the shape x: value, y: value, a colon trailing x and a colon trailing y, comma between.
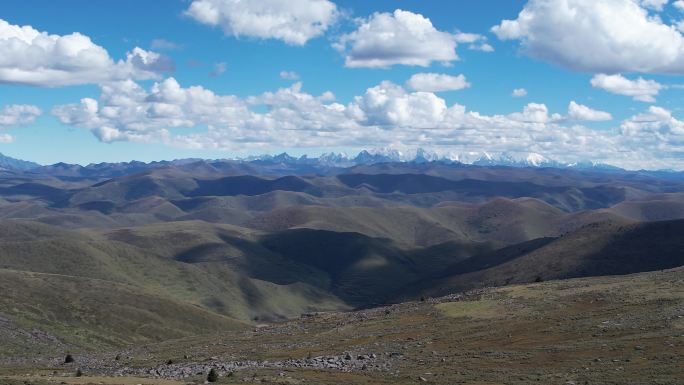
x: 183, y: 248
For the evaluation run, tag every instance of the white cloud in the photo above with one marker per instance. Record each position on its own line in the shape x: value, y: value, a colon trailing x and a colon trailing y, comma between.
x: 476, y: 41
x: 680, y: 25
x: 519, y: 92
x: 656, y: 5
x: 294, y: 21
x: 484, y: 47
x: 289, y: 75
x: 19, y: 115
x: 384, y: 115
x: 640, y: 89
x: 656, y: 122
x: 655, y: 138
x: 582, y: 112
x: 402, y: 37
x: 127, y: 112
x: 597, y: 36
x: 534, y: 113
x: 679, y: 4
x: 389, y: 105
x: 28, y: 56
x: 432, y: 82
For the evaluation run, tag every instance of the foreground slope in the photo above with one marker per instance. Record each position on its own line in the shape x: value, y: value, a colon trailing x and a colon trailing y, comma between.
x: 57, y: 313
x: 604, y: 330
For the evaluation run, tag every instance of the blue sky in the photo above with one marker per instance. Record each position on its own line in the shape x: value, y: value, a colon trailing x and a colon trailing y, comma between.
x: 627, y: 107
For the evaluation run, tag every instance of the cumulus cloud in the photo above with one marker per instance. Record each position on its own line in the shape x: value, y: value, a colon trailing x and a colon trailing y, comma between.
x: 294, y: 21
x: 432, y: 82
x: 597, y: 36
x: 679, y: 4
x: 384, y: 115
x: 19, y: 115
x: 656, y: 137
x: 534, y: 113
x: 519, y: 92
x: 476, y: 41
x: 289, y: 75
x: 640, y: 89
x: 581, y: 112
x: 656, y: 5
x: 657, y: 122
x: 32, y: 57
x: 401, y: 37
x: 389, y: 105
x: 127, y: 112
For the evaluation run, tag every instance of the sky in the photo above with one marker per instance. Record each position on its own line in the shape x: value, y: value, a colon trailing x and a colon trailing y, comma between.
x: 571, y: 80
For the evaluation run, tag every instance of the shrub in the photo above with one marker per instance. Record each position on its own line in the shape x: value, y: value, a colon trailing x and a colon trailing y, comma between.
x: 68, y: 359
x: 212, y: 376
x: 79, y: 373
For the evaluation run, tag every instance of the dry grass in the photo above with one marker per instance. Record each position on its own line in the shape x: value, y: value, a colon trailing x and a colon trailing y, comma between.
x: 608, y: 330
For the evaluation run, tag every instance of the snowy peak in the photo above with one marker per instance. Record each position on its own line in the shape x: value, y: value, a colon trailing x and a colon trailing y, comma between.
x: 420, y: 155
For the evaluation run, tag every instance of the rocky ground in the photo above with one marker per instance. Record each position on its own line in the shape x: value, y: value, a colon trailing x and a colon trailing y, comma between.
x: 611, y: 330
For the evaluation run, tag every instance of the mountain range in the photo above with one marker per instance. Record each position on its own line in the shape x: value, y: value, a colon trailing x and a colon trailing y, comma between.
x: 342, y: 160
x: 274, y: 237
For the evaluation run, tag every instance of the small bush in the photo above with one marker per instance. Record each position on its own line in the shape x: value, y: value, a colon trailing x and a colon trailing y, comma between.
x: 539, y: 279
x: 68, y: 359
x: 79, y: 373
x: 212, y: 376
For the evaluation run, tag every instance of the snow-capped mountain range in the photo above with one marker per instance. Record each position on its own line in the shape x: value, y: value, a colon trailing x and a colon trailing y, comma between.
x: 343, y: 160
x: 419, y: 155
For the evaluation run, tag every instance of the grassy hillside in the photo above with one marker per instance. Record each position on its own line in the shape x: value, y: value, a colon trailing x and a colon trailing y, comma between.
x: 605, y: 330
x: 597, y: 249
x: 254, y: 276
x: 57, y: 313
x: 180, y: 269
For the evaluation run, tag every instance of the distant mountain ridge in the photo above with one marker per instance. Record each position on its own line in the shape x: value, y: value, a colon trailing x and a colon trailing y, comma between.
x: 9, y: 163
x: 420, y: 155
x: 326, y: 161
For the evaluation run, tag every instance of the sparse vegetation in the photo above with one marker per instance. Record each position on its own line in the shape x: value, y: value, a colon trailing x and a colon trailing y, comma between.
x: 212, y: 376
x: 515, y: 328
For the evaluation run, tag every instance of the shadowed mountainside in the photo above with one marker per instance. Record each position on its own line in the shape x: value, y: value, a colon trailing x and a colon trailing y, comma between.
x: 221, y: 244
